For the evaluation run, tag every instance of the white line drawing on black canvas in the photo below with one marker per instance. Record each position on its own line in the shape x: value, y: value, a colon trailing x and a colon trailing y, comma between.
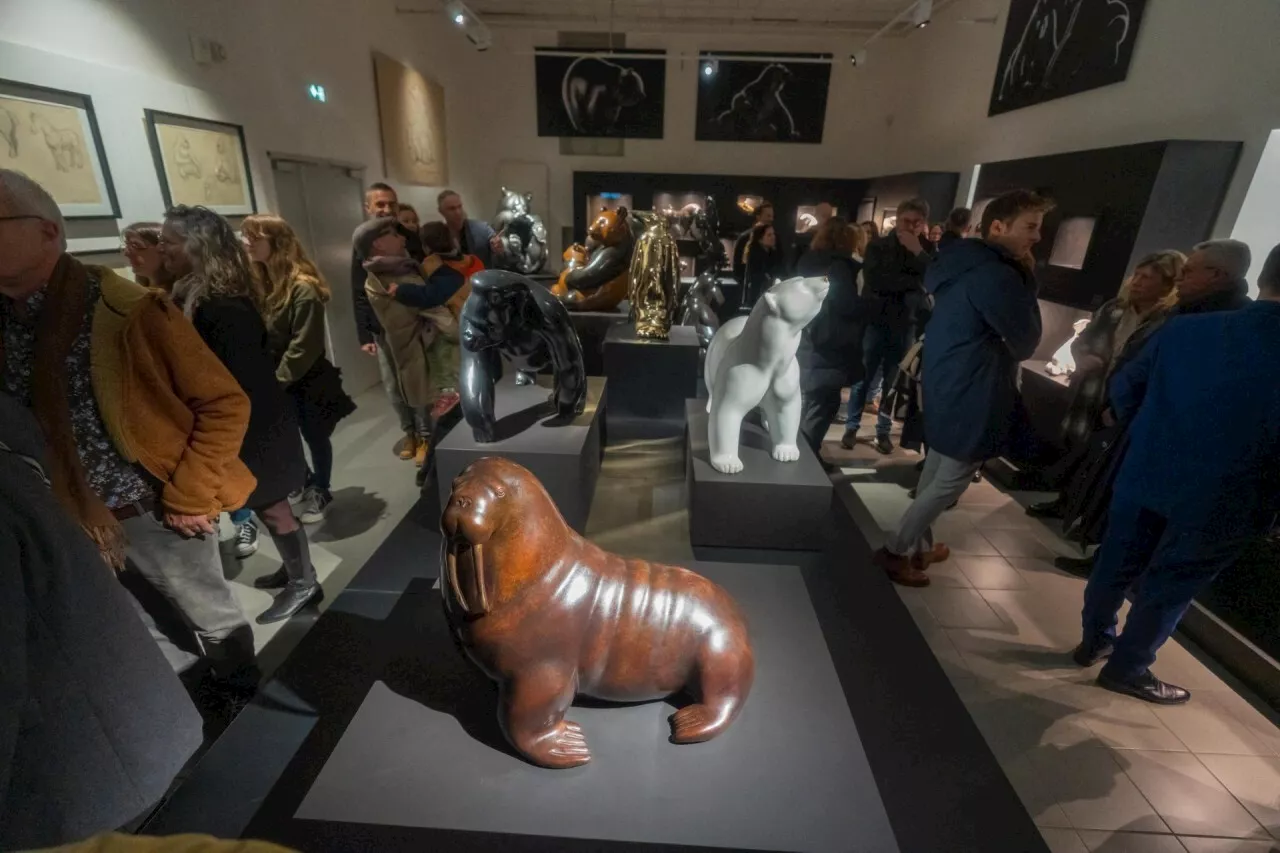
x: 9, y: 130
x: 64, y: 145
x: 757, y: 111
x: 595, y: 92
x: 1048, y: 33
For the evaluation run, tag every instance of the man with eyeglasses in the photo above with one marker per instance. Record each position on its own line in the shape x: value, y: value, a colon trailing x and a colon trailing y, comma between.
x: 143, y: 425
x: 1213, y: 279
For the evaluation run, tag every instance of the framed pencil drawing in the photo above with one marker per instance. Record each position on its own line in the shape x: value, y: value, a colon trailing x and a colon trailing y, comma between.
x: 52, y: 136
x: 201, y: 162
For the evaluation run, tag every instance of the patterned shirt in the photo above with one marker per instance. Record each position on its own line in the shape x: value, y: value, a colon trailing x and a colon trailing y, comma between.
x: 114, y: 480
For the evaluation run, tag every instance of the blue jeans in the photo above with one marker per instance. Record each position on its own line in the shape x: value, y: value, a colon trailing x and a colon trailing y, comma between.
x: 853, y: 415
x: 240, y: 516
x: 1170, y: 565
x: 882, y: 350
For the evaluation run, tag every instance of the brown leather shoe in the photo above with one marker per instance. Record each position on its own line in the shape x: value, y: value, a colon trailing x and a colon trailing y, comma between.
x: 407, y: 447
x: 939, y: 553
x: 901, y: 570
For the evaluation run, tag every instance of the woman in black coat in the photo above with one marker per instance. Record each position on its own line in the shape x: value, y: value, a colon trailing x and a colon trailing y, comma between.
x: 216, y: 290
x: 761, y: 264
x: 830, y: 352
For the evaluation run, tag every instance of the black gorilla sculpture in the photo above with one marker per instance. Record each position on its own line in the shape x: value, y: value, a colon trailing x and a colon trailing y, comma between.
x: 508, y: 315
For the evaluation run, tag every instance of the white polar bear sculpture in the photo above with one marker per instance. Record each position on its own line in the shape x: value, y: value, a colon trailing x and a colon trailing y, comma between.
x: 752, y: 362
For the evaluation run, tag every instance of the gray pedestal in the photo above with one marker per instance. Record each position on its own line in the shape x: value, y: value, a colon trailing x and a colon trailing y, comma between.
x: 774, y: 505
x: 649, y: 382
x: 565, y: 458
x: 592, y: 327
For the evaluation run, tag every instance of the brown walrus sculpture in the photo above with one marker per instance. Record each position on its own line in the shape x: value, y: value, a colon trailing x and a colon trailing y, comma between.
x: 549, y: 615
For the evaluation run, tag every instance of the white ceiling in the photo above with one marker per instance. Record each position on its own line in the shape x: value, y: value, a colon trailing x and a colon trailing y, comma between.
x: 755, y: 16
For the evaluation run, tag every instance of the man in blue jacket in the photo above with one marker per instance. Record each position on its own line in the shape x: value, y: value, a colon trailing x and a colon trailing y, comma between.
x: 1178, y: 516
x: 986, y: 321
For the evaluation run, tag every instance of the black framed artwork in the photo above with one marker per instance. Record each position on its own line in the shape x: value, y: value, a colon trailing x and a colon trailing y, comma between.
x: 602, y: 95
x: 743, y: 100
x: 53, y: 137
x: 1056, y: 48
x: 201, y: 162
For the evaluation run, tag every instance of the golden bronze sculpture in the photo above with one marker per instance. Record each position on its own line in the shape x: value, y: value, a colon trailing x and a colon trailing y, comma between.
x: 595, y: 276
x: 655, y: 272
x: 549, y: 615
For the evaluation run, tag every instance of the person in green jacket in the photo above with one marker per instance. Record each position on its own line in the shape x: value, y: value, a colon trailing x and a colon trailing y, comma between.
x: 294, y: 312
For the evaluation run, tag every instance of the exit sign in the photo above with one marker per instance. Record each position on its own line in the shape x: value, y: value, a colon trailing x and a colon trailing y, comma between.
x: 316, y: 92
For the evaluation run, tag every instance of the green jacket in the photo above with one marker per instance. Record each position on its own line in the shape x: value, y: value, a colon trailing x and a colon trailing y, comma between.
x: 295, y: 330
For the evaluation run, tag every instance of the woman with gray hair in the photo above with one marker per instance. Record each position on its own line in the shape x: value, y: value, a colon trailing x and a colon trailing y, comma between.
x: 217, y: 291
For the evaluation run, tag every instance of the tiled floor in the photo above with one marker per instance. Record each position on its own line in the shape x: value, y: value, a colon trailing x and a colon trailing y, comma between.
x: 1097, y: 771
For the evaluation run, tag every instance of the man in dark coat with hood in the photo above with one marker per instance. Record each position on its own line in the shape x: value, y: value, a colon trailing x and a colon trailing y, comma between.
x: 986, y: 321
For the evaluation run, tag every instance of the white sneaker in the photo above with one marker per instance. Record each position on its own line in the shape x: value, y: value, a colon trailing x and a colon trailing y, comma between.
x: 314, y: 503
x: 246, y: 539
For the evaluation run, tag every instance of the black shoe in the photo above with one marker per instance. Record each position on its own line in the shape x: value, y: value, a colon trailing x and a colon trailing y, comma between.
x: 1147, y: 688
x: 275, y: 580
x: 912, y: 494
x: 1081, y: 567
x: 883, y: 445
x: 977, y: 476
x: 1047, y: 509
x: 294, y: 597
x: 1087, y: 657
x: 850, y: 439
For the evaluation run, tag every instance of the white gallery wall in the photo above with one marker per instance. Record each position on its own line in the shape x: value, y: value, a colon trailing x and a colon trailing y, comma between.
x: 1200, y: 70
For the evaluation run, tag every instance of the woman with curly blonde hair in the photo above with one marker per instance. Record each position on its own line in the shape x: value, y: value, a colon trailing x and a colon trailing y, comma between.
x: 216, y: 289
x: 296, y: 294
x: 1116, y: 328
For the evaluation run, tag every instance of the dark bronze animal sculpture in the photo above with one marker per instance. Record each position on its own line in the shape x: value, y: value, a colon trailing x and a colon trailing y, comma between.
x: 509, y: 316
x: 549, y: 615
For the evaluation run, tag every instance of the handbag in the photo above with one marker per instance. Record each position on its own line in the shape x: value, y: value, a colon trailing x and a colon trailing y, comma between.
x: 905, y: 400
x: 1087, y: 497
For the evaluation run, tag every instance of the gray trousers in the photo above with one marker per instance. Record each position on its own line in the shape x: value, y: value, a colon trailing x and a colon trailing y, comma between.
x: 187, y: 573
x: 941, y: 484
x: 412, y: 421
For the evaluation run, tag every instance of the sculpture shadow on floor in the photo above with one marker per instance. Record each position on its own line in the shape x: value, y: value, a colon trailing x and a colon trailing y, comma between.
x: 354, y: 511
x: 433, y: 671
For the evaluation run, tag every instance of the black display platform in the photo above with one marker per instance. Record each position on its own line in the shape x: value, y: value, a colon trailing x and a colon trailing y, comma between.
x: 771, y: 504
x: 592, y: 328
x: 565, y: 458
x: 649, y: 381
x: 936, y: 779
x: 424, y: 749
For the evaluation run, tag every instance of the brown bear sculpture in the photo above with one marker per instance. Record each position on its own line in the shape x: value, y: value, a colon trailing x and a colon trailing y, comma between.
x: 549, y: 615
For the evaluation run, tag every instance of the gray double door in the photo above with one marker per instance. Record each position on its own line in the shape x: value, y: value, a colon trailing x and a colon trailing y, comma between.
x: 324, y: 204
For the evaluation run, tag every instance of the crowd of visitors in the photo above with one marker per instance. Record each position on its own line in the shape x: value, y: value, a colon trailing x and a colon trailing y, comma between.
x: 133, y: 414
x: 1152, y: 367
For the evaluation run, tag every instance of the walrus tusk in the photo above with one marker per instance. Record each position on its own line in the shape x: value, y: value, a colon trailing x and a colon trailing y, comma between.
x: 451, y: 562
x: 477, y: 561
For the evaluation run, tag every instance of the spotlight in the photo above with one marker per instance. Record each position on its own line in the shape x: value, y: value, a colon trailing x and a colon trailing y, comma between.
x: 710, y: 67
x: 922, y: 14
x: 470, y: 24
x: 858, y: 58
x: 459, y: 19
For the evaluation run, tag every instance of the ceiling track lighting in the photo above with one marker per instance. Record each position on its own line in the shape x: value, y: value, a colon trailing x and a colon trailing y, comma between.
x: 462, y: 17
x: 922, y: 14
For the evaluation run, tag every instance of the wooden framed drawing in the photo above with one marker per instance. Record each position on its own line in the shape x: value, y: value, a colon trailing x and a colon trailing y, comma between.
x: 52, y: 136
x: 201, y: 162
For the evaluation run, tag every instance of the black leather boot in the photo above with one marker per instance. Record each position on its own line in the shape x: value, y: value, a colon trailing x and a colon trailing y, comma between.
x: 295, y: 596
x: 275, y: 580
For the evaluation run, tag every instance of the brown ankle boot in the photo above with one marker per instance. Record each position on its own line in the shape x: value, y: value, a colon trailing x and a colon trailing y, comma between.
x: 939, y: 553
x: 901, y: 570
